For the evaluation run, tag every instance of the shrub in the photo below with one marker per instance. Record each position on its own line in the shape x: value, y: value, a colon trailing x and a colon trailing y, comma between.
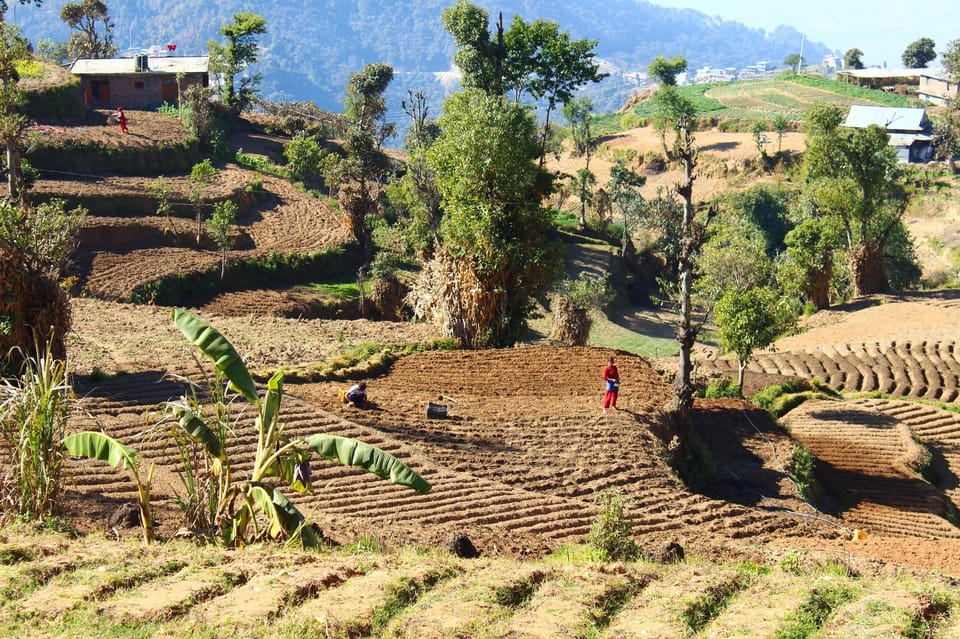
x: 802, y: 472
x: 34, y: 409
x: 610, y: 532
x: 725, y: 387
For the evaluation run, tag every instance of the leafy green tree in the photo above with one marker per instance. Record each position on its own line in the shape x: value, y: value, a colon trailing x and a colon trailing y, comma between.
x: 162, y: 190
x: 806, y: 269
x: 304, y: 158
x: 624, y: 189
x: 359, y: 174
x: 547, y: 64
x: 93, y: 29
x: 13, y: 49
x: 202, y: 176
x: 852, y: 59
x: 794, y: 61
x: 758, y: 132
x: 479, y: 58
x: 853, y: 175
x: 733, y: 259
x: 666, y: 71
x: 240, y: 52
x: 221, y: 229
x: 670, y: 108
x: 918, y: 53
x: 749, y: 320
x: 493, y: 254
x: 53, y: 52
x: 579, y: 114
x: 781, y: 125
x: 766, y: 207
x: 951, y: 60
x: 533, y: 58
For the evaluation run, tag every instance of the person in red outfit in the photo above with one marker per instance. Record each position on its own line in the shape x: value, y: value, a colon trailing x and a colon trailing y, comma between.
x: 611, y: 379
x: 122, y: 119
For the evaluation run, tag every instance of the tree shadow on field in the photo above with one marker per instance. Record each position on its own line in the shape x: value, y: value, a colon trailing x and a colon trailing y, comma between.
x: 649, y: 322
x: 442, y: 439
x: 741, y: 477
x: 720, y: 146
x: 137, y: 388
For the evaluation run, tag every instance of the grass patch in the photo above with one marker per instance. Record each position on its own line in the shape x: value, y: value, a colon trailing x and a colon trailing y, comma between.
x: 725, y: 387
x: 607, y: 334
x: 780, y: 399
x: 849, y: 90
x: 402, y: 594
x: 711, y: 603
x: 819, y: 606
x: 515, y: 594
x: 358, y: 361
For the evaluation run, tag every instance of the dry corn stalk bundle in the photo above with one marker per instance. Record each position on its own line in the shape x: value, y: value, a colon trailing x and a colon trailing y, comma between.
x: 449, y: 294
x: 571, y: 324
x: 32, y: 307
x: 387, y: 294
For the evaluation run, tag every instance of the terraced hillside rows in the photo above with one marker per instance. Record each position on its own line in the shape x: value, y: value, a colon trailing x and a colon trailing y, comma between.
x: 868, y: 462
x: 921, y: 362
x: 516, y: 466
x: 58, y: 587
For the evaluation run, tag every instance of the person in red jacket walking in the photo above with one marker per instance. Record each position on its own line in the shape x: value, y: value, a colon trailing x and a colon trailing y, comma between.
x: 611, y: 380
x: 122, y: 119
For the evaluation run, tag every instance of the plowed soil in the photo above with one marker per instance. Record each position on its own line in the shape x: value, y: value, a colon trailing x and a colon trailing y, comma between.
x: 517, y: 463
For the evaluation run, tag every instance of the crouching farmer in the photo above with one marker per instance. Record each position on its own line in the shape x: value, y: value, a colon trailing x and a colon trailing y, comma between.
x: 357, y: 395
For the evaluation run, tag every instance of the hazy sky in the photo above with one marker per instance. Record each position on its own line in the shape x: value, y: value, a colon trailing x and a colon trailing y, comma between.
x: 882, y: 29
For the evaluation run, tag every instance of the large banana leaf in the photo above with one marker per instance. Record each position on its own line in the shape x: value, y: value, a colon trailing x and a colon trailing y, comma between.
x: 216, y: 347
x: 352, y: 452
x: 102, y: 447
x: 199, y: 432
x: 282, y: 515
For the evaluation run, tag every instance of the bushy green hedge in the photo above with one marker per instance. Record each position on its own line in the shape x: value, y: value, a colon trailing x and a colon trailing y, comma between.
x: 57, y: 102
x: 82, y: 156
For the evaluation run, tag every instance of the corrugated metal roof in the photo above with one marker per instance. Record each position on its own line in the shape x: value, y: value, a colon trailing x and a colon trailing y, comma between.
x: 907, y: 139
x: 890, y: 118
x: 124, y: 66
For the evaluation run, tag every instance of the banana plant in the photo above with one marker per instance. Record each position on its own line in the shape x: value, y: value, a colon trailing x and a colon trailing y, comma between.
x: 242, y: 504
x: 102, y: 447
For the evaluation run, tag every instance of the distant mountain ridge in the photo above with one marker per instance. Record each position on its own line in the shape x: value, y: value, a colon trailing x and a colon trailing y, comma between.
x: 312, y: 47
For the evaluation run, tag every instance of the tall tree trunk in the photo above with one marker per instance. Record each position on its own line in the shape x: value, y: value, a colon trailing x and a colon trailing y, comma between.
x: 13, y: 171
x: 866, y: 265
x: 683, y: 389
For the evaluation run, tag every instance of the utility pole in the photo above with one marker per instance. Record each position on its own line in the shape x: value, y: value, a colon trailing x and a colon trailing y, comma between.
x: 803, y: 38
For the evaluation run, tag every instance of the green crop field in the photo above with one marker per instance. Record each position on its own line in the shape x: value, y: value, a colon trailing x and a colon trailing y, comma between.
x: 786, y: 95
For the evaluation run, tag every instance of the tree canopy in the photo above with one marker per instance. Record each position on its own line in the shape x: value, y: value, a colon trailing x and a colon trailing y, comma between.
x: 951, y: 59
x: 918, y: 53
x: 93, y: 29
x: 852, y: 59
x: 234, y: 58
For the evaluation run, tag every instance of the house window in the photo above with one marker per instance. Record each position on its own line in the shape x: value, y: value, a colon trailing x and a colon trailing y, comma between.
x: 138, y: 86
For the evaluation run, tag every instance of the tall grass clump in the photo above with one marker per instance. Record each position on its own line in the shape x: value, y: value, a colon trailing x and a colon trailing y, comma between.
x: 610, y: 532
x: 34, y: 409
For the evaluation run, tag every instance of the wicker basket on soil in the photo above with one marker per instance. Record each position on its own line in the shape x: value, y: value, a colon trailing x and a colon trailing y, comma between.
x: 571, y: 324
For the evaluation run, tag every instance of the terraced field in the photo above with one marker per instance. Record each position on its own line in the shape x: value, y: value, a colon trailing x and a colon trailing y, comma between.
x: 59, y: 587
x: 773, y: 97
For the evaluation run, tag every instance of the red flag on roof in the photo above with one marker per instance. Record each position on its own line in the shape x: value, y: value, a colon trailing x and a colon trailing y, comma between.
x: 171, y: 47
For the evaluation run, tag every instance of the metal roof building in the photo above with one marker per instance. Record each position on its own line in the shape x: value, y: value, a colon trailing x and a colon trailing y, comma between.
x: 140, y: 81
x: 909, y: 129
